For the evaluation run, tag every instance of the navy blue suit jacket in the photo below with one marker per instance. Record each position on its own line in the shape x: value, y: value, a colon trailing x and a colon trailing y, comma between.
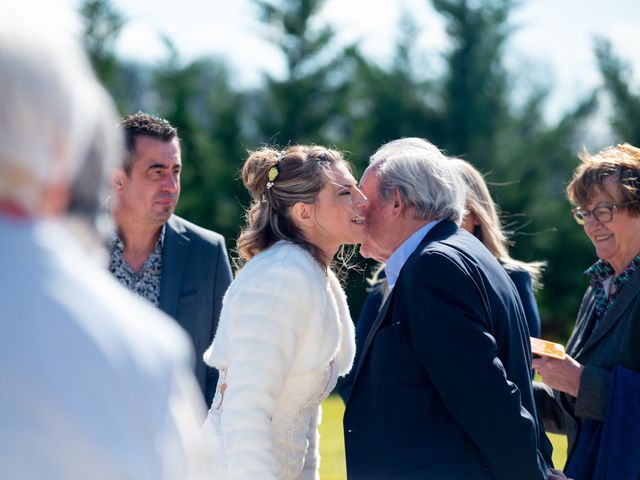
x: 522, y: 280
x: 370, y: 308
x: 443, y: 387
x: 195, y: 276
x: 373, y: 302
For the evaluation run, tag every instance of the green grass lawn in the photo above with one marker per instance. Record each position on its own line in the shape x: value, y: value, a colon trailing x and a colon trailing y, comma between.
x: 332, y: 466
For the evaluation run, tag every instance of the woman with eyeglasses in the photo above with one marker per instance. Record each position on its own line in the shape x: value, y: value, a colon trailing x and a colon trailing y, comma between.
x: 596, y: 387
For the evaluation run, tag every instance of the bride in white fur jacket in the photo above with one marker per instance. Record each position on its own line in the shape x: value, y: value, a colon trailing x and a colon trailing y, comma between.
x: 285, y: 334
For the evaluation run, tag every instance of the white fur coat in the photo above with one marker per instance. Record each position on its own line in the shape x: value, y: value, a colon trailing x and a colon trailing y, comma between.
x: 284, y: 336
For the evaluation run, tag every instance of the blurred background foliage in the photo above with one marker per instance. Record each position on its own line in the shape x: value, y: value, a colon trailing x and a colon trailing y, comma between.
x: 474, y: 108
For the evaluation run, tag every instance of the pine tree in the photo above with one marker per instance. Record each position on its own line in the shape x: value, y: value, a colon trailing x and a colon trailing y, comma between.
x: 617, y: 74
x: 308, y: 104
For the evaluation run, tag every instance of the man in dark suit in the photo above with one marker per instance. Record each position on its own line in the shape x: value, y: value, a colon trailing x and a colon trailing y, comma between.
x: 443, y: 388
x: 179, y: 267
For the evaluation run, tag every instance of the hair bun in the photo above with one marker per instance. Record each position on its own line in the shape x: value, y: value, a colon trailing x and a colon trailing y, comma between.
x: 256, y: 168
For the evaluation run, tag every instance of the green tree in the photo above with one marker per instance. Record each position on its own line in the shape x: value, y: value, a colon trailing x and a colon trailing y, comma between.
x: 616, y: 74
x: 308, y: 105
x: 102, y: 25
x: 393, y: 102
x: 543, y: 163
x: 198, y: 100
x: 476, y: 89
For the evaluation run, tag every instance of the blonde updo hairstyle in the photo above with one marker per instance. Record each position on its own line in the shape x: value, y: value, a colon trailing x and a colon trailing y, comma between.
x: 302, y: 171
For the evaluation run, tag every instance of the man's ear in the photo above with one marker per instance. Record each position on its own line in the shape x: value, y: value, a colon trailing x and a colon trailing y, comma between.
x: 398, y: 204
x: 302, y: 213
x: 117, y: 180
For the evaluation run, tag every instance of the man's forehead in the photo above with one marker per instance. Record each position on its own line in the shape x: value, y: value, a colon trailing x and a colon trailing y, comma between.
x: 150, y: 149
x: 151, y: 142
x: 370, y: 176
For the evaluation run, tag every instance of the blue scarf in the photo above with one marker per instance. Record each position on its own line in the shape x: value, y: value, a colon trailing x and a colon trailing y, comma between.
x: 598, y: 273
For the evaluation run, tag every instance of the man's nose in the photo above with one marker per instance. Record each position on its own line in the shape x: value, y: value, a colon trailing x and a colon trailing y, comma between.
x: 171, y: 183
x: 362, y: 202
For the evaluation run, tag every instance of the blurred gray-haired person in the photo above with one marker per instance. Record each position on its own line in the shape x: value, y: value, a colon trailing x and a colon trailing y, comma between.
x: 95, y: 382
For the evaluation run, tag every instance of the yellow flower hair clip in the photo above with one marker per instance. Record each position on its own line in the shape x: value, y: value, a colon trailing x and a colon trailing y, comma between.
x: 272, y: 175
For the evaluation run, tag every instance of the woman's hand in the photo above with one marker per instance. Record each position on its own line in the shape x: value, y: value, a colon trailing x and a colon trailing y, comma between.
x: 563, y: 375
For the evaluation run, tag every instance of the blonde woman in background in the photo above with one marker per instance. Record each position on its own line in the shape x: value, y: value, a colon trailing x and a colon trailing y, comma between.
x: 482, y: 220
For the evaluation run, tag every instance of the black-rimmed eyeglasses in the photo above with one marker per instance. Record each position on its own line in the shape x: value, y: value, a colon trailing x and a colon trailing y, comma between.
x: 602, y: 213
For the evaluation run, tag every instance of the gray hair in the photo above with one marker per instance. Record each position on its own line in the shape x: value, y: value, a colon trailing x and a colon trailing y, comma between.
x: 56, y: 122
x: 424, y: 178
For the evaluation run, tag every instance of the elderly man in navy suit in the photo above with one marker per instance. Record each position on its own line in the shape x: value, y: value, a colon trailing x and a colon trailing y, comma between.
x: 443, y: 387
x: 179, y: 267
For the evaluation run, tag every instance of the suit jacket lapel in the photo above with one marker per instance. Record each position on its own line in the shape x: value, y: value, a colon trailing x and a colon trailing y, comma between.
x: 614, y: 314
x: 174, y: 259
x: 372, y: 333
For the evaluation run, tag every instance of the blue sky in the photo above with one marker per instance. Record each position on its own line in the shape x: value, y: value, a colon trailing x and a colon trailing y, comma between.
x: 552, y: 44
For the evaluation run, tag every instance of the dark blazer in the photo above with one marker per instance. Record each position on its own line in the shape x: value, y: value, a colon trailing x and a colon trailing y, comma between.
x: 368, y: 314
x: 614, y: 341
x: 373, y: 302
x: 443, y: 388
x: 522, y: 280
x: 195, y: 276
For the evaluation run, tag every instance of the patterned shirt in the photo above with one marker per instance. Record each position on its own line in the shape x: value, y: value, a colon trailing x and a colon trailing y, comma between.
x: 146, y: 282
x: 600, y: 273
